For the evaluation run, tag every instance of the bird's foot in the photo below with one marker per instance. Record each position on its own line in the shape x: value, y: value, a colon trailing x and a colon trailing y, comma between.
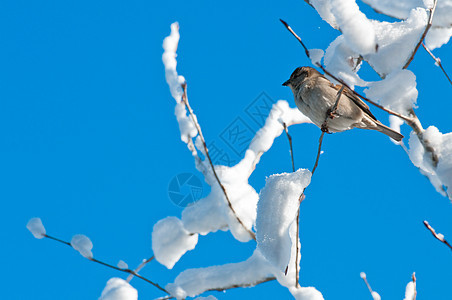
x: 331, y: 114
x: 324, y: 128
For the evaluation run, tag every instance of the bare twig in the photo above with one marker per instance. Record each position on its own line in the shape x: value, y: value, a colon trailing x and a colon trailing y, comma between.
x: 110, y: 266
x: 290, y: 145
x: 267, y: 279
x: 198, y: 128
x: 364, y: 277
x: 427, y: 27
x: 437, y: 61
x: 438, y: 236
x: 413, y: 277
x: 296, y: 36
x: 140, y: 266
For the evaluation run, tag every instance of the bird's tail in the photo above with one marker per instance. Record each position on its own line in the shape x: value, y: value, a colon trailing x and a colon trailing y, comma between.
x: 389, y: 132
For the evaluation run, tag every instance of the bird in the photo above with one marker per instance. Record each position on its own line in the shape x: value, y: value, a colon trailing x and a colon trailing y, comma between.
x: 315, y: 96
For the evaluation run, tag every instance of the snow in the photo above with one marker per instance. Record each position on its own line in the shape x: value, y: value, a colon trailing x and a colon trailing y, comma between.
x: 362, y: 275
x: 316, y: 55
x: 409, y: 291
x: 396, y: 42
x: 437, y: 37
x: 276, y: 245
x: 440, y: 236
x: 441, y: 30
x: 170, y: 43
x: 277, y: 211
x: 36, y: 228
x: 440, y: 177
x: 397, y: 91
x: 342, y: 61
x: 375, y: 295
x: 170, y: 240
x: 323, y: 7
x: 193, y: 282
x: 210, y: 297
x: 82, y: 244
x: 118, y: 289
x: 357, y: 30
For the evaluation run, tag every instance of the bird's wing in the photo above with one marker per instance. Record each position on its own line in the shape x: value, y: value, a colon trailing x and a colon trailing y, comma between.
x: 360, y: 103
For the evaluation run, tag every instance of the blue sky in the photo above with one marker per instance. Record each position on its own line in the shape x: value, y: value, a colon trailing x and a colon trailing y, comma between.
x: 90, y: 144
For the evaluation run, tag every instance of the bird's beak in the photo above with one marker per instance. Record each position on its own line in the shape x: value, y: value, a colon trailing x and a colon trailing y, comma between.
x: 286, y: 83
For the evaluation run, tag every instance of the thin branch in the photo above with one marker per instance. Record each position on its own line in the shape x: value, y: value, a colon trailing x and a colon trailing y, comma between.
x: 364, y: 277
x: 429, y: 24
x: 290, y: 145
x: 438, y: 236
x: 110, y: 266
x: 413, y: 277
x: 198, y: 128
x: 140, y: 266
x: 296, y: 36
x: 437, y: 61
x: 267, y: 279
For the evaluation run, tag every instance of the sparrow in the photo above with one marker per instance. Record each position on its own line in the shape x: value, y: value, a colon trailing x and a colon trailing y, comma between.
x: 315, y: 97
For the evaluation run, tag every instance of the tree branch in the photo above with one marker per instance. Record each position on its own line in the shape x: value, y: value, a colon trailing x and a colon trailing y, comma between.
x: 140, y: 266
x: 198, y: 128
x: 110, y: 266
x: 427, y: 27
x: 290, y: 145
x: 438, y: 236
x: 437, y: 61
x: 296, y: 36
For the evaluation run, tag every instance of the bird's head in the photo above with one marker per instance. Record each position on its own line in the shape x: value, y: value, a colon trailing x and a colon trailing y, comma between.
x: 299, y: 75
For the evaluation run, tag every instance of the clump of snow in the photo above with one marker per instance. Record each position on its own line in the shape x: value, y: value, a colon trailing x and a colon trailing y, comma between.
x: 193, y: 282
x: 316, y: 56
x: 118, y: 289
x: 83, y: 245
x: 277, y: 211
x: 375, y: 295
x: 440, y: 177
x: 362, y: 275
x: 395, y: 124
x: 397, y: 91
x: 410, y: 291
x: 323, y: 7
x: 170, y: 240
x: 396, y: 42
x: 36, y: 228
x: 170, y: 43
x: 437, y: 37
x: 358, y: 31
x: 441, y: 30
x: 122, y: 265
x: 343, y: 62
